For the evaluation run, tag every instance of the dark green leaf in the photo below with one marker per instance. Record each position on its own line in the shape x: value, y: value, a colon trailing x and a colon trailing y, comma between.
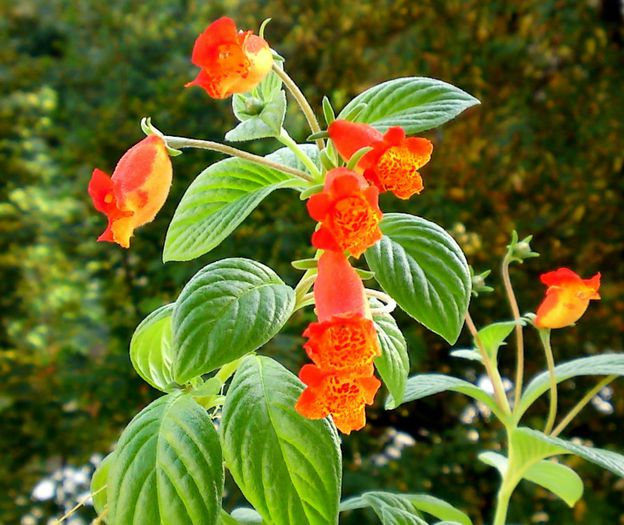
x: 393, y: 365
x: 220, y: 199
x: 228, y: 309
x: 414, y: 103
x: 424, y: 270
x: 168, y: 467
x: 288, y: 467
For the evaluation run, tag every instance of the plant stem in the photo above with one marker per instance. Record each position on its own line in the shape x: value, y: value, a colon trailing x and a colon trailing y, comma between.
x: 303, y: 286
x: 550, y: 361
x: 581, y: 405
x: 513, y: 303
x: 286, y: 139
x: 492, y: 371
x: 302, y: 101
x: 502, y: 505
x: 183, y: 142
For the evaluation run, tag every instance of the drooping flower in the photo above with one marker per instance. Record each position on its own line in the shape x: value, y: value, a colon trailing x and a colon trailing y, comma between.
x: 348, y: 211
x: 231, y: 61
x: 344, y: 339
x: 567, y: 298
x: 135, y: 193
x: 343, y: 395
x: 394, y: 161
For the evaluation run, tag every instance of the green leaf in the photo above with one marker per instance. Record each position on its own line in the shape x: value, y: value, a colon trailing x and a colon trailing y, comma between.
x: 267, y: 123
x: 424, y: 270
x: 414, y: 103
x: 408, y: 506
x: 493, y: 336
x: 220, y: 199
x: 555, y: 477
x: 151, y: 350
x: 464, y: 353
x: 393, y: 364
x: 228, y: 309
x: 168, y: 467
x: 604, y: 364
x: 606, y: 459
x: 226, y: 519
x: 424, y: 385
x: 263, y: 435
x: 99, y: 480
x: 246, y: 516
x: 391, y: 509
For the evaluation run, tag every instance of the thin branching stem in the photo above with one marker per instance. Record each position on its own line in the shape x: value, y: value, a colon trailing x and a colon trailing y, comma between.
x: 581, y: 405
x: 80, y: 503
x: 550, y: 362
x: 302, y: 101
x: 287, y: 140
x: 492, y: 371
x: 513, y: 303
x: 183, y: 142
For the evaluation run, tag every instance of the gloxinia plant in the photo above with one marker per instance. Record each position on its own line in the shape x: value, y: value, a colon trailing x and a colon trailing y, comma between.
x: 278, y: 434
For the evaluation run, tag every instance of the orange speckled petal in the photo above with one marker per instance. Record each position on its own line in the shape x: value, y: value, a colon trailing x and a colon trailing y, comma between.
x: 346, y: 422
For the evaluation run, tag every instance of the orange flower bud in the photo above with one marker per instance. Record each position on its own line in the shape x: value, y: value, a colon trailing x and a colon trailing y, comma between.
x: 342, y: 395
x: 231, y: 61
x: 567, y: 298
x: 392, y: 164
x: 136, y: 191
x: 348, y: 211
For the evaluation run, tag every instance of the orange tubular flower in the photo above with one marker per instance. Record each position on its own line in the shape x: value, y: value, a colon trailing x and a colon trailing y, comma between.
x: 341, y: 395
x: 345, y: 338
x: 231, y: 61
x: 392, y: 164
x: 567, y: 298
x: 136, y: 191
x: 348, y: 211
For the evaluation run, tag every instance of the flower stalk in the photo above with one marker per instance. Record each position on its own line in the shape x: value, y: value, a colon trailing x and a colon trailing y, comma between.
x: 515, y: 310
x: 183, y: 142
x: 550, y: 361
x: 302, y: 101
x: 581, y: 405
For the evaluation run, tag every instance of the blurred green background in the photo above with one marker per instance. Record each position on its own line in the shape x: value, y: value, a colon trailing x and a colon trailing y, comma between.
x: 543, y: 154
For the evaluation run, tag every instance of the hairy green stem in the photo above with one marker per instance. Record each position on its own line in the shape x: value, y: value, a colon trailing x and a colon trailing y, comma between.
x: 183, y: 142
x: 581, y: 405
x: 492, y: 371
x: 302, y: 101
x: 502, y: 505
x: 286, y: 139
x: 550, y: 362
x: 513, y: 303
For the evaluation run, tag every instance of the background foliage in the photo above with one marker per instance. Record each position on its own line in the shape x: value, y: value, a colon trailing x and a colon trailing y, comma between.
x: 543, y: 154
